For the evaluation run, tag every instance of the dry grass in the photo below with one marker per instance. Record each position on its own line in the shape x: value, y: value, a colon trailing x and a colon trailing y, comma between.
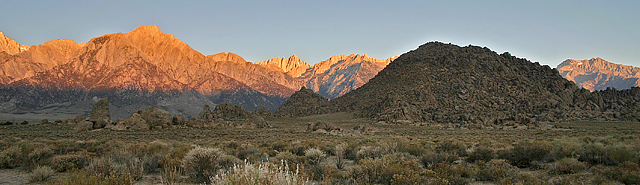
x: 586, y: 152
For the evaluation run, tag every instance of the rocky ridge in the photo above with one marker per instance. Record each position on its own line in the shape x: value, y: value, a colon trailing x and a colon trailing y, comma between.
x: 598, y: 74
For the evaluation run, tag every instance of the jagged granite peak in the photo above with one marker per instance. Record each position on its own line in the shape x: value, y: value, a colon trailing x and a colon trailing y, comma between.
x: 474, y: 87
x: 340, y: 74
x: 598, y: 74
x: 10, y: 46
x: 36, y: 59
x: 303, y: 103
x: 293, y: 65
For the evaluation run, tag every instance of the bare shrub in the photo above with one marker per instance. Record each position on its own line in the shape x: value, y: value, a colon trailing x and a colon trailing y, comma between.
x: 627, y: 172
x: 261, y: 173
x: 38, y: 156
x: 431, y: 158
x: 495, y: 170
x: 41, y: 174
x: 384, y: 170
x: 314, y: 156
x: 68, y: 162
x: 369, y: 152
x: 566, y: 166
x: 10, y: 157
x: 340, y: 152
x: 480, y: 154
x: 203, y: 162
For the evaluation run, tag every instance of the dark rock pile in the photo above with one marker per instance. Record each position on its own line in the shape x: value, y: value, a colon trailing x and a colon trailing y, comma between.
x: 304, y: 103
x: 226, y: 115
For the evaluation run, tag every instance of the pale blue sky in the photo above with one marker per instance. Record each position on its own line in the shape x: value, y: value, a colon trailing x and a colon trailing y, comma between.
x: 544, y: 31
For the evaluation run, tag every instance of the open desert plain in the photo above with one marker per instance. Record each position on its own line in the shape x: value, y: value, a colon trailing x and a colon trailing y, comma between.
x: 449, y: 92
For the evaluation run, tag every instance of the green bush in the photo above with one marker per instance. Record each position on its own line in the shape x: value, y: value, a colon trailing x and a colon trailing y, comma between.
x: 68, y: 162
x: 495, y: 170
x: 10, y: 157
x: 627, y: 173
x: 523, y: 154
x: 566, y: 166
x: 41, y: 174
x: 203, y: 162
x: 453, y: 146
x: 38, y: 156
x: 454, y: 174
x: 431, y: 158
x: 384, y: 169
x: 480, y: 154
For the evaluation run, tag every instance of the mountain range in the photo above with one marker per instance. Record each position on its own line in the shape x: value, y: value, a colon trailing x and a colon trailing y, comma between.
x: 146, y: 67
x: 598, y: 74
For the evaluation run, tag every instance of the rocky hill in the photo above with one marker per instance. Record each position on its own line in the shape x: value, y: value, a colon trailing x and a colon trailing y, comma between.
x: 304, y: 103
x: 475, y: 87
x: 599, y: 74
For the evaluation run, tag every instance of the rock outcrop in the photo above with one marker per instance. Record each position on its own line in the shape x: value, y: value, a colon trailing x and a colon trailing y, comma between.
x: 156, y: 118
x: 133, y: 123
x: 598, y: 74
x: 230, y: 112
x: 100, y: 114
x: 304, y: 103
x: 326, y: 126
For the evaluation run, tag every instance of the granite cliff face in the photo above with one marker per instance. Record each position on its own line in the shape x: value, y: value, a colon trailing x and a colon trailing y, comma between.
x: 293, y: 66
x: 341, y: 73
x: 598, y: 74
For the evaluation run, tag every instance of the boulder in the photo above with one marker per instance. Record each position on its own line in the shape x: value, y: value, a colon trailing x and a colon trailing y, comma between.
x: 313, y: 126
x: 99, y: 123
x: 101, y: 110
x: 83, y: 126
x: 156, y: 118
x: 258, y: 121
x: 135, y: 123
x: 178, y: 120
x: 44, y: 121
x: 206, y: 114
